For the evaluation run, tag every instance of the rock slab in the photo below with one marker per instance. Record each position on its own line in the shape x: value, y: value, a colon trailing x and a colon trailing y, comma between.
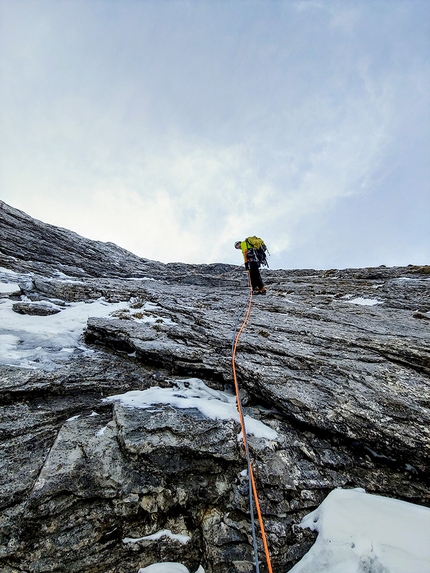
x: 336, y: 364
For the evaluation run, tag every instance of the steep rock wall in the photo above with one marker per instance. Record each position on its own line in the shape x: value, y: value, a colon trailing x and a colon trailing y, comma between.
x: 335, y: 364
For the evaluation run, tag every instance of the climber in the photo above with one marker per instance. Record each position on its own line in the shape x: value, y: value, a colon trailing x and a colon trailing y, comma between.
x: 253, y: 250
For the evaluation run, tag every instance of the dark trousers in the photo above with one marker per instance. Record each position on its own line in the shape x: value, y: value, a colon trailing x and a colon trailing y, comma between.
x: 254, y: 273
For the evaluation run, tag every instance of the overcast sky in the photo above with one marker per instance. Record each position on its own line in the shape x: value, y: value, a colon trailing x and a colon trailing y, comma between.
x: 174, y: 128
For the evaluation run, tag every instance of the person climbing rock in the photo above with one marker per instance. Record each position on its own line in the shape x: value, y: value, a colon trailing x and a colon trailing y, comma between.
x: 254, y: 253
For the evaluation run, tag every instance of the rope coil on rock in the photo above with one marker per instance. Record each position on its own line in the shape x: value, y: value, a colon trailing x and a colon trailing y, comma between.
x: 253, y: 495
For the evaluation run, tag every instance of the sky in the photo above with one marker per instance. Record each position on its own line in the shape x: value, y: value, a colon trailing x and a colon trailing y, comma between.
x: 174, y: 128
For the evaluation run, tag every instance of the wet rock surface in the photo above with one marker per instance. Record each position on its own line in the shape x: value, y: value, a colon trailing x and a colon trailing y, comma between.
x: 336, y: 364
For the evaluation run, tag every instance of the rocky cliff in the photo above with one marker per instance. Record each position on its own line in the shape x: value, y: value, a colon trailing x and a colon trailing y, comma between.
x: 334, y: 368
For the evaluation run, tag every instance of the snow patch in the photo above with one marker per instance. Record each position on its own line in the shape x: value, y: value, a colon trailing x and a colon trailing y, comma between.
x: 9, y: 288
x: 3, y: 270
x: 413, y: 279
x: 155, y: 536
x: 364, y: 301
x: 168, y: 568
x: 44, y: 341
x: 360, y: 532
x: 139, y: 279
x: 193, y: 393
x: 60, y: 275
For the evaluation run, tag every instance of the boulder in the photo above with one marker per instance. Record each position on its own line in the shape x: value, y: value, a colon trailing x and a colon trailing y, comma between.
x: 35, y: 309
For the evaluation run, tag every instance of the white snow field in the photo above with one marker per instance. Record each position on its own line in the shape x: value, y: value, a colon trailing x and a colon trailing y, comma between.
x: 363, y: 533
x: 37, y: 341
x: 46, y: 341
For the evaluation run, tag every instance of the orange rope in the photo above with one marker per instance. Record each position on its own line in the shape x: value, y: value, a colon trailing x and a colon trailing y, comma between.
x: 242, y: 423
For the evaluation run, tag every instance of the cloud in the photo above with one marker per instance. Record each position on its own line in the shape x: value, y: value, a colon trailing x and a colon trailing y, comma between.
x: 165, y: 206
x: 174, y: 129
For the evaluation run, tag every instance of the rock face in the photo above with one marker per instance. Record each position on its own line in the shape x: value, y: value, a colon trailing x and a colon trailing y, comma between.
x: 333, y: 365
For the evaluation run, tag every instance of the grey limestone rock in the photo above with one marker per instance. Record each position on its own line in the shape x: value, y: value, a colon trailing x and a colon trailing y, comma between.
x: 335, y: 364
x: 35, y: 309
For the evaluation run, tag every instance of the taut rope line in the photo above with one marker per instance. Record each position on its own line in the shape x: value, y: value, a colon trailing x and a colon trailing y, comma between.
x: 252, y: 487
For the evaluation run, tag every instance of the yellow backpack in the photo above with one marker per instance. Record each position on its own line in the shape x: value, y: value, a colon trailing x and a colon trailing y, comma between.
x: 259, y: 248
x: 255, y: 242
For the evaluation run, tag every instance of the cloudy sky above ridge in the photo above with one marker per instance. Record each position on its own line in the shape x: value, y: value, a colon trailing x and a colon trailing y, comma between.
x: 175, y: 127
